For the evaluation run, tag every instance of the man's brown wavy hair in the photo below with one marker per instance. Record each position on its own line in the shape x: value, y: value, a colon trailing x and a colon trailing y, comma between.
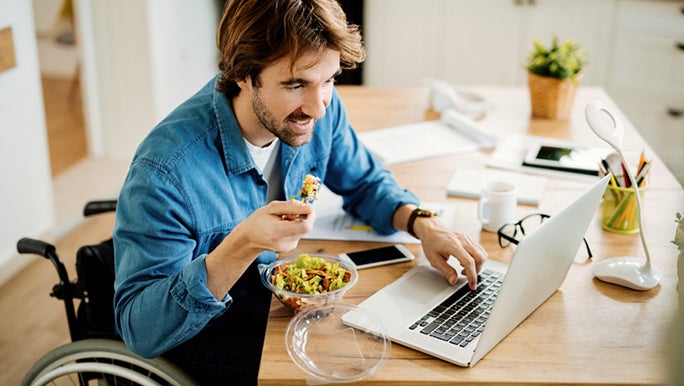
x: 253, y: 34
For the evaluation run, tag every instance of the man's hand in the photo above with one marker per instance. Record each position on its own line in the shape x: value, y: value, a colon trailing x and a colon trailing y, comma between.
x: 439, y: 243
x: 278, y: 226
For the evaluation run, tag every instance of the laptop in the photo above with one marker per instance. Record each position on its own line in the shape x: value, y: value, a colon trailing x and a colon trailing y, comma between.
x: 422, y: 311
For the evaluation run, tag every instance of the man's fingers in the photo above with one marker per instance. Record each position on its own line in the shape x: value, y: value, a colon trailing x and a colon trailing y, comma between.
x: 470, y: 270
x: 291, y: 210
x: 475, y: 257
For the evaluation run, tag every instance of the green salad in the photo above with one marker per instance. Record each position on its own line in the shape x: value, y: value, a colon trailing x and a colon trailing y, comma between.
x: 310, y: 275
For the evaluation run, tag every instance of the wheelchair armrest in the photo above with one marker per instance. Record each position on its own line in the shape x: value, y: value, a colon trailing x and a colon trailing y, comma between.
x: 101, y: 206
x: 37, y: 247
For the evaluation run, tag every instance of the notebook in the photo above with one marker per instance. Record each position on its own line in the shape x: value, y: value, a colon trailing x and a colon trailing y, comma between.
x: 538, y: 268
x: 467, y: 182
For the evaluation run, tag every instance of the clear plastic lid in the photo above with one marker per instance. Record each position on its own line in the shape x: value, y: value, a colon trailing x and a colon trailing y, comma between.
x: 324, y: 347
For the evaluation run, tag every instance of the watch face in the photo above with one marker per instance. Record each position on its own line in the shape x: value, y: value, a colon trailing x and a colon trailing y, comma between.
x: 425, y: 213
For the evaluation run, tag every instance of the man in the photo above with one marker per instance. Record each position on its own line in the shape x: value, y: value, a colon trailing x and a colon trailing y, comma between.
x: 205, y: 198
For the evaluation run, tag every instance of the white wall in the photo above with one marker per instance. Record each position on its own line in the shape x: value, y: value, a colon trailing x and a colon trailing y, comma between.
x: 45, y: 14
x: 140, y: 60
x: 183, y: 53
x: 26, y: 200
x: 117, y: 78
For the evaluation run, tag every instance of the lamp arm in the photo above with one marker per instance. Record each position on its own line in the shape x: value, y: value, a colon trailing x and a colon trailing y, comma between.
x: 632, y: 180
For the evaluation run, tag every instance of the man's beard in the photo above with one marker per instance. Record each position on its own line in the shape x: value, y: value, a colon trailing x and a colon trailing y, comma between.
x: 280, y: 129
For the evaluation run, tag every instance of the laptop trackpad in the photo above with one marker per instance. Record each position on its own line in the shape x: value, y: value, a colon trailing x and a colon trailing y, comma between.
x: 422, y: 285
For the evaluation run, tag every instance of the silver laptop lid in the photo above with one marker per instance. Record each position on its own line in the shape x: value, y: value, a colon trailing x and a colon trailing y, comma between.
x: 539, y: 267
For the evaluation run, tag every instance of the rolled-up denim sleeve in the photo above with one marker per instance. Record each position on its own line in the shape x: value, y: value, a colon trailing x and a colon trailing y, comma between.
x: 154, y: 316
x: 191, y: 290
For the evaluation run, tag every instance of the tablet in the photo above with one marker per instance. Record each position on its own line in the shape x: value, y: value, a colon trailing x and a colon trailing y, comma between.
x: 565, y: 157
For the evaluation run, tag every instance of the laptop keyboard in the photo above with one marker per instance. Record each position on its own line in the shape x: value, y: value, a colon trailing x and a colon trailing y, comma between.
x: 462, y: 316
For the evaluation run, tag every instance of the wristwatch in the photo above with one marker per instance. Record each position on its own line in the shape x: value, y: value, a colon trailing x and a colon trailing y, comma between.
x: 418, y: 212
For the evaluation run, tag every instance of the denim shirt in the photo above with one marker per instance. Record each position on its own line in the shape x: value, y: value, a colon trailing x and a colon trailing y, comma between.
x: 191, y: 181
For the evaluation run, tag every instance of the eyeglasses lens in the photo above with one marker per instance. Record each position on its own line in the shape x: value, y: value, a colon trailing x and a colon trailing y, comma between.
x: 513, y: 233
x: 530, y: 223
x: 509, y: 230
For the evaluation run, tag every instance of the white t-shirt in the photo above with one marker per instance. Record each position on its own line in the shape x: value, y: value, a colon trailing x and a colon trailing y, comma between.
x: 267, y: 158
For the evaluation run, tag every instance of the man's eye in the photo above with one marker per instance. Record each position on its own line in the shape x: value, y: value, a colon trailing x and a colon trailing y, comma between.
x: 296, y: 86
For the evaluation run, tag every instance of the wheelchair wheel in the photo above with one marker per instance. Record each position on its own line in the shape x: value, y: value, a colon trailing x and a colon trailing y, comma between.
x: 102, y: 362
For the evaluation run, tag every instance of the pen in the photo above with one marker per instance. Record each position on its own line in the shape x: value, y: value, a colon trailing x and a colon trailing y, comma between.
x: 602, y: 170
x: 624, y: 176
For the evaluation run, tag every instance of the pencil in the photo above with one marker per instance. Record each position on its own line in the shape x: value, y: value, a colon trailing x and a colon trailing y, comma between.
x: 613, y: 181
x: 366, y: 228
x: 641, y: 176
x: 606, y: 166
x: 642, y: 159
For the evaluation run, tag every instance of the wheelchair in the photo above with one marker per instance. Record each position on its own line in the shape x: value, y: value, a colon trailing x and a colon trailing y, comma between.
x: 96, y: 355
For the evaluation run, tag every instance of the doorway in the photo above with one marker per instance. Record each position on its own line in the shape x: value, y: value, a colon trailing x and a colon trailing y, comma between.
x: 60, y: 76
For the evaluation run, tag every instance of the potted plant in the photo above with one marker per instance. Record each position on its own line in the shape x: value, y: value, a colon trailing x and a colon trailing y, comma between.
x: 679, y: 242
x: 553, y: 76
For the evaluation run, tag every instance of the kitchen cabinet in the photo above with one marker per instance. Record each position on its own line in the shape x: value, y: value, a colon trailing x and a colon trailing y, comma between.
x: 477, y: 42
x: 647, y: 77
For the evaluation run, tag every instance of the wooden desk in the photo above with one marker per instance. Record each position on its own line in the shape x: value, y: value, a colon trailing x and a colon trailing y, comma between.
x: 588, y: 332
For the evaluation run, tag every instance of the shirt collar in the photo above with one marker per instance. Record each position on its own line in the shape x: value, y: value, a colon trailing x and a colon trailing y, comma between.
x: 235, y: 152
x: 236, y: 155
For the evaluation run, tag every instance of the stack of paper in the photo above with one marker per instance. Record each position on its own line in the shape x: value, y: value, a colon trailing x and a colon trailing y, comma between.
x: 455, y: 133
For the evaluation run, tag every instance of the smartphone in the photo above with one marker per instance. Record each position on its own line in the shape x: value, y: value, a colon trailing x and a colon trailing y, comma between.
x: 379, y: 256
x: 566, y: 158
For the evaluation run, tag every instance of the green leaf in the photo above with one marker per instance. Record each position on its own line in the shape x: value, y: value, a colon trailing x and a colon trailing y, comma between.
x: 559, y: 60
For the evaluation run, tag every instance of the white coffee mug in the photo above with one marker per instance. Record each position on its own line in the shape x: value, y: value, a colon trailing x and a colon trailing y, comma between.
x: 497, y: 204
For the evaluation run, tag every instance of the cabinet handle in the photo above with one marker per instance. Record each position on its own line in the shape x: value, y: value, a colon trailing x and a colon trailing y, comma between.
x: 520, y: 2
x: 532, y: 2
x: 680, y: 45
x: 675, y: 112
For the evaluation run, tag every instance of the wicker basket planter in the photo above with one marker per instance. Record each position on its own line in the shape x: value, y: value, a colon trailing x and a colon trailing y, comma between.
x: 551, y: 98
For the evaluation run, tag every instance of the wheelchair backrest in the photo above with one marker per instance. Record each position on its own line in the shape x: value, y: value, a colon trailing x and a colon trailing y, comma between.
x: 95, y: 270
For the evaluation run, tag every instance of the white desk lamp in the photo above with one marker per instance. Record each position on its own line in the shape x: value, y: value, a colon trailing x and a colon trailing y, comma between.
x: 632, y: 272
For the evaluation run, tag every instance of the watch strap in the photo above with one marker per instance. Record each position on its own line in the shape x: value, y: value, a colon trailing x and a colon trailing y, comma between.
x: 418, y: 212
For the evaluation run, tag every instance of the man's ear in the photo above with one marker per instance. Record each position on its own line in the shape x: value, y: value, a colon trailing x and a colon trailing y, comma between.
x: 245, y: 83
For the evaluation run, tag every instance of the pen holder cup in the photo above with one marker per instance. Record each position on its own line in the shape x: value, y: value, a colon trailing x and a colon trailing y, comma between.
x: 620, y: 209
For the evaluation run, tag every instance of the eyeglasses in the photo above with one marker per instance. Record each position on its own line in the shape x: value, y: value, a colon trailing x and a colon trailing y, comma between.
x: 512, y: 233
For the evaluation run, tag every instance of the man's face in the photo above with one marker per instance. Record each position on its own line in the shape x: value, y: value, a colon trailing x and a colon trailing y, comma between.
x: 287, y: 102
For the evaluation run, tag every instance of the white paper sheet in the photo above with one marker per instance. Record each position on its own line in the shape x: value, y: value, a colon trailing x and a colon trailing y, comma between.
x: 333, y: 223
x: 455, y: 133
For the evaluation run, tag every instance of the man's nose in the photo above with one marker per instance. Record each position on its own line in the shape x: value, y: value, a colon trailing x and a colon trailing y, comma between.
x: 316, y: 103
